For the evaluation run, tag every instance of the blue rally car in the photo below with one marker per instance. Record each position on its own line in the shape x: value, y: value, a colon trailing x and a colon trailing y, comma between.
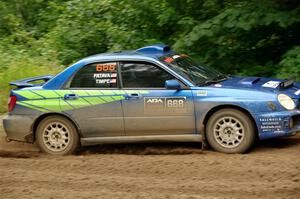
x: 147, y: 95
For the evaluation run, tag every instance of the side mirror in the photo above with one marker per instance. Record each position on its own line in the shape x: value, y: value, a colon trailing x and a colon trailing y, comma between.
x: 173, y: 84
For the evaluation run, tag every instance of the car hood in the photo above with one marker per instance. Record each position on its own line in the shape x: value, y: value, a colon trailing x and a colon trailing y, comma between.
x: 270, y: 85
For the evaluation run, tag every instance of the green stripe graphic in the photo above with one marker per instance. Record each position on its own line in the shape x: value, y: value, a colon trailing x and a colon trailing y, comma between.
x: 53, y: 100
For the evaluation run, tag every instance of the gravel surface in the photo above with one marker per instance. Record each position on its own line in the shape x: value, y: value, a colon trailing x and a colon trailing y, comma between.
x: 271, y: 170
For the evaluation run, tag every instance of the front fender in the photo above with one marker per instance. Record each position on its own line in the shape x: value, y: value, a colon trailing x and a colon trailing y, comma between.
x: 209, y: 100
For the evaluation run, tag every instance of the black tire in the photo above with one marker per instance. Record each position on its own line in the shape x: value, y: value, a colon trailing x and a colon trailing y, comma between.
x: 56, y: 135
x: 230, y: 131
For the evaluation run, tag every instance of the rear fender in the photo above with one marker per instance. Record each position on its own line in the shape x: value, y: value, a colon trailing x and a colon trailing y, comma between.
x: 43, y: 116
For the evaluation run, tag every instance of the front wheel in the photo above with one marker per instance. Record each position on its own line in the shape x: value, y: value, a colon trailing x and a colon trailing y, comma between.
x: 230, y: 131
x: 57, y: 135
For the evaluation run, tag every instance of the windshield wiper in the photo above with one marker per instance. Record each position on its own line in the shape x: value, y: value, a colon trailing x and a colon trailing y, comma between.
x: 217, y: 79
x: 221, y: 77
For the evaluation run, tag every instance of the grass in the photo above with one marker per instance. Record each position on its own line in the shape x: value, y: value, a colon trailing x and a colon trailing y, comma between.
x: 18, y: 67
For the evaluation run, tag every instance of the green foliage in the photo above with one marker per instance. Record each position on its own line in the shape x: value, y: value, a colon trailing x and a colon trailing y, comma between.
x: 245, y: 37
x: 290, y: 64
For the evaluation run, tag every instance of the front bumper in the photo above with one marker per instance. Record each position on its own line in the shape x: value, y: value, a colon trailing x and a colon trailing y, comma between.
x: 18, y: 127
x: 277, y: 124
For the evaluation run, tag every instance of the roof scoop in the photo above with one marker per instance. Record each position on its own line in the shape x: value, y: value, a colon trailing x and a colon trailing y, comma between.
x: 155, y: 49
x: 249, y: 80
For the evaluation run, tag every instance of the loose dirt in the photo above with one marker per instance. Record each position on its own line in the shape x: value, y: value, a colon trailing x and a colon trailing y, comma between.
x: 271, y: 170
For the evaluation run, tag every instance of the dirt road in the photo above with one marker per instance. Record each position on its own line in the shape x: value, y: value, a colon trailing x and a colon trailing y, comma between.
x: 271, y: 170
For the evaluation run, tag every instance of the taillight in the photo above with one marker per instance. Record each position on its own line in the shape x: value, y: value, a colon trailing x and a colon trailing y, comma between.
x: 12, y: 103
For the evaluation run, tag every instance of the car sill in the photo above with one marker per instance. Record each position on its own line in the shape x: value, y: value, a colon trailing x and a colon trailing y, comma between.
x: 147, y: 138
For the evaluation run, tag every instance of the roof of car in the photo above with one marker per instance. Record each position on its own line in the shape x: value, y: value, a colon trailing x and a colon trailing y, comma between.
x: 153, y: 51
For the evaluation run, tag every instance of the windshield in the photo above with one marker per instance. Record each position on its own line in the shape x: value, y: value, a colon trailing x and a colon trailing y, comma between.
x: 191, y: 70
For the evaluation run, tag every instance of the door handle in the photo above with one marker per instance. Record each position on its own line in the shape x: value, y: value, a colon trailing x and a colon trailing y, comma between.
x: 133, y: 96
x: 71, y: 96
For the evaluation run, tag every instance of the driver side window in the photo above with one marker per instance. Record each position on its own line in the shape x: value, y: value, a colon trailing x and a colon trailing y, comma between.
x: 143, y: 75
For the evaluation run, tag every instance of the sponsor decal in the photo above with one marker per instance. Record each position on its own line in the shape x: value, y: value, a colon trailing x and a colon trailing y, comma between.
x: 271, y: 124
x: 168, y: 59
x: 105, y: 75
x: 297, y: 92
x: 176, y: 56
x: 154, y: 103
x: 202, y: 93
x: 106, y: 81
x: 164, y: 103
x: 271, y: 84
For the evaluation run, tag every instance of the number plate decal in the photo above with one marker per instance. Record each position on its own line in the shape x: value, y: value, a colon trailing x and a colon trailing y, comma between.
x: 177, y: 103
x: 164, y: 104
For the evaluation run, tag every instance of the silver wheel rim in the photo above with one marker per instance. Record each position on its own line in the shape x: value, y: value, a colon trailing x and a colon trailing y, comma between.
x: 56, y: 136
x: 229, y: 132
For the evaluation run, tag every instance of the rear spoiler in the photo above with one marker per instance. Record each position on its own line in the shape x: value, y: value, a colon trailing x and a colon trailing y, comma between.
x: 22, y: 83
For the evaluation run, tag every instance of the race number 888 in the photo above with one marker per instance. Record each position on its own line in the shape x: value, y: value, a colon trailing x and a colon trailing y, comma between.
x: 175, y: 103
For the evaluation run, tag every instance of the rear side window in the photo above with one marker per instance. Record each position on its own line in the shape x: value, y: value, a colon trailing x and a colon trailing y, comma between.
x: 143, y: 75
x: 96, y: 75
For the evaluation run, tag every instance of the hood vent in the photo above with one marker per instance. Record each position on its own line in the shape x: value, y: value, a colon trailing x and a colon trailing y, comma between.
x: 249, y: 80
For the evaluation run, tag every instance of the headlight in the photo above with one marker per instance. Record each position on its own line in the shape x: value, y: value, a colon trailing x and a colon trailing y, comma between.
x: 286, y: 102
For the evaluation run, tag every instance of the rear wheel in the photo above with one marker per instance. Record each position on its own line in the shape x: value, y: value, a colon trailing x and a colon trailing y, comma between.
x: 230, y: 131
x: 57, y: 135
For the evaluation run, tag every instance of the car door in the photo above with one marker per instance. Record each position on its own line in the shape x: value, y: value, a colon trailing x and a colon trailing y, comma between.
x: 150, y: 108
x: 93, y: 100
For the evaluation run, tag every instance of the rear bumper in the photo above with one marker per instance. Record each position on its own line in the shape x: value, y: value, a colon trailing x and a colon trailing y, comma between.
x: 278, y: 124
x: 18, y: 127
